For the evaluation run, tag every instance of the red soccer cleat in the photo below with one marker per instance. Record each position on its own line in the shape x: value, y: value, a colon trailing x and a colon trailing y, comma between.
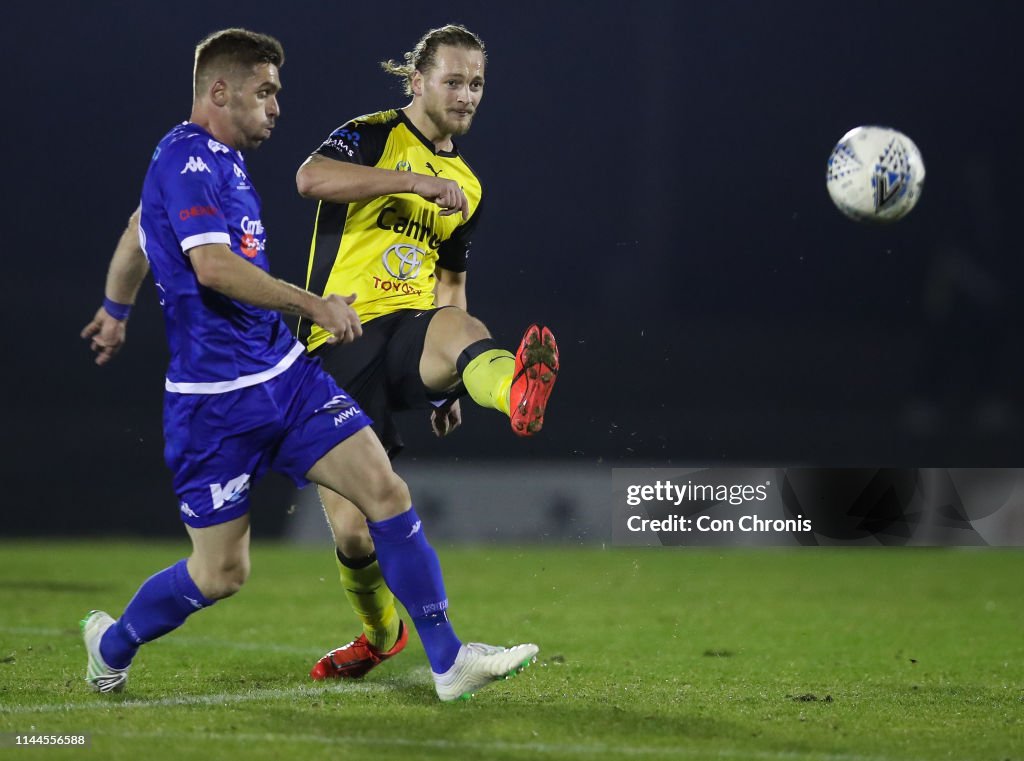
x: 535, y: 374
x: 355, y: 659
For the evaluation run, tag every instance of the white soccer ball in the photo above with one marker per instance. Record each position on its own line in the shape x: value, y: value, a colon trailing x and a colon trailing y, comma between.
x: 875, y: 174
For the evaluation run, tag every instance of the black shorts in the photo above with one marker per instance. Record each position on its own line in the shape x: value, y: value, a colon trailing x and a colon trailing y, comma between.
x: 381, y: 370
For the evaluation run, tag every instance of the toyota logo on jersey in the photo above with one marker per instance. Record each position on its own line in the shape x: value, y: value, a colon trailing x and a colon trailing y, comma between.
x: 403, y: 261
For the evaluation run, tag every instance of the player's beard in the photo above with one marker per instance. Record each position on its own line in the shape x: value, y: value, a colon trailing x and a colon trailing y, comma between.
x: 461, y: 126
x: 448, y: 124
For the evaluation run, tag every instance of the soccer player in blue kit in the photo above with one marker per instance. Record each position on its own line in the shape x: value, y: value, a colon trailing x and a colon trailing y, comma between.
x: 241, y: 397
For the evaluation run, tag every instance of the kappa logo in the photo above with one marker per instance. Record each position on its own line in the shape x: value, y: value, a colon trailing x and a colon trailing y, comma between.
x: 230, y: 492
x: 195, y: 164
x: 188, y: 510
x: 415, y: 529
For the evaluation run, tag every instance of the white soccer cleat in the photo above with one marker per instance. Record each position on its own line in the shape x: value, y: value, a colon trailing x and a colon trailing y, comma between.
x: 477, y: 665
x: 100, y: 676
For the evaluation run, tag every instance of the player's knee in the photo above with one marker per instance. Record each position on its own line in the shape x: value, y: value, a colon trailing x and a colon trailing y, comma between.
x: 351, y: 534
x: 389, y: 494
x: 231, y: 580
x: 355, y: 525
x: 355, y: 545
x: 475, y: 329
x: 456, y: 323
x: 223, y: 579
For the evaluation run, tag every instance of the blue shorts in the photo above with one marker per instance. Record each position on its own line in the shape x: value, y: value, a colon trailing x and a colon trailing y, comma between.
x: 218, y: 445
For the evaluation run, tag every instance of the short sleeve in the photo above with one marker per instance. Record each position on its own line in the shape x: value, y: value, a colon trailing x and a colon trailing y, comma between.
x: 356, y: 142
x: 188, y: 173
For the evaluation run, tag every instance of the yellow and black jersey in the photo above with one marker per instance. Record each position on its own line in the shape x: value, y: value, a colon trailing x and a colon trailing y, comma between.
x: 386, y: 249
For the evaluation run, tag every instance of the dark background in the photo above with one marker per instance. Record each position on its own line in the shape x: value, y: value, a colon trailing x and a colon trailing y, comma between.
x: 655, y: 176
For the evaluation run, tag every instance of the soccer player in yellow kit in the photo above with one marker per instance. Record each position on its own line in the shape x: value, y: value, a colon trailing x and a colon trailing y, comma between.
x: 397, y: 207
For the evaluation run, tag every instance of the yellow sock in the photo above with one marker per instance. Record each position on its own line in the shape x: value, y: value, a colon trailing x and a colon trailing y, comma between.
x: 373, y: 603
x: 488, y: 378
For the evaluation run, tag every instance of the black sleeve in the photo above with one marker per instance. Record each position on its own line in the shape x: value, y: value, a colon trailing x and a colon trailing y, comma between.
x: 453, y: 254
x: 356, y: 142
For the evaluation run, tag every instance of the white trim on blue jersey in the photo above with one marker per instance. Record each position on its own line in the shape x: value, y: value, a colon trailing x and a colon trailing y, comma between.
x: 204, y: 239
x: 222, y: 387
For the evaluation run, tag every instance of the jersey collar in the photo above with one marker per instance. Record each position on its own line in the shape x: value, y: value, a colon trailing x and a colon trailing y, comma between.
x: 212, y: 141
x: 419, y: 136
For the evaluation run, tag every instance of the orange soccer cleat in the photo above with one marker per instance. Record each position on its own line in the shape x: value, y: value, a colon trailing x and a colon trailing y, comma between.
x: 355, y: 659
x: 536, y: 370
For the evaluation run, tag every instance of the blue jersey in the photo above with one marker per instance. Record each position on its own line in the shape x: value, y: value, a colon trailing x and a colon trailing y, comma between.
x: 197, y: 192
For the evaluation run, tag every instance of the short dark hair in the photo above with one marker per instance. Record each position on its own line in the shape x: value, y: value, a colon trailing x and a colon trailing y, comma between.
x: 235, y: 49
x: 423, y: 57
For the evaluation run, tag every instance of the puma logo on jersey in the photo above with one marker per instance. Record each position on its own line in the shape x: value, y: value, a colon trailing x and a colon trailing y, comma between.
x: 437, y: 172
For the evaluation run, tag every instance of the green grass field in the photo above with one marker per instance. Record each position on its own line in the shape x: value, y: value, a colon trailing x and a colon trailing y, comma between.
x: 831, y: 654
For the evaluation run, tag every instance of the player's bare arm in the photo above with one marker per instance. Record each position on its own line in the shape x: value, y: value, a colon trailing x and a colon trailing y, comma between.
x: 217, y: 267
x: 450, y: 289
x: 342, y: 182
x: 128, y: 268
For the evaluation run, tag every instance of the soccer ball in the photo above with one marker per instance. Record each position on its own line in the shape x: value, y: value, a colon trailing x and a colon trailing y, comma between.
x: 875, y: 174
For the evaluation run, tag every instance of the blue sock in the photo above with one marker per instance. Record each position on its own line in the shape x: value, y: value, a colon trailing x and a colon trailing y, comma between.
x: 161, y: 605
x: 412, y: 570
